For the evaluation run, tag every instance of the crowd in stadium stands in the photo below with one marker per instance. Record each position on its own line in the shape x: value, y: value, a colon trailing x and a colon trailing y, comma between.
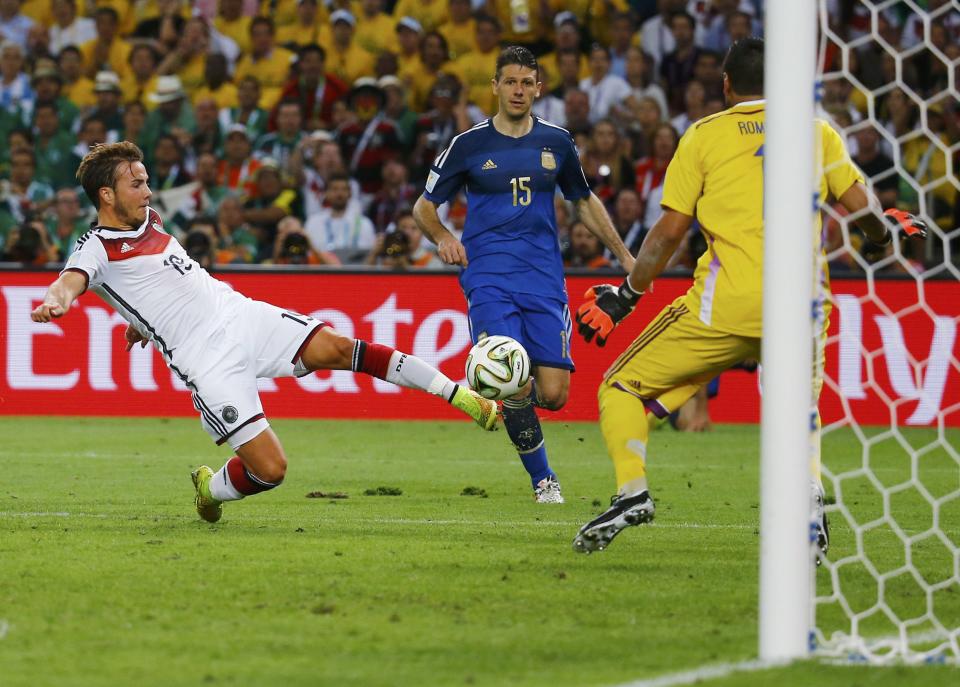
x: 300, y: 132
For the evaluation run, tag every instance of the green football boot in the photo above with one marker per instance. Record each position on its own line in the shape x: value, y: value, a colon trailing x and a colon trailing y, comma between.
x: 208, y: 507
x: 482, y: 410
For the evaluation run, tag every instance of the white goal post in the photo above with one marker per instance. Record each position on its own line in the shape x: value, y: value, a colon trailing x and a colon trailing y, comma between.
x: 889, y: 589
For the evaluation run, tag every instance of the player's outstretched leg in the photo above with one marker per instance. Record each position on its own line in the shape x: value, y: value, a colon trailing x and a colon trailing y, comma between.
x: 523, y: 427
x: 624, y: 426
x: 208, y: 508
x: 329, y: 350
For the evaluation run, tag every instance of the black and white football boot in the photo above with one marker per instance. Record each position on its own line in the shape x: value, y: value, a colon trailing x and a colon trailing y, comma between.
x: 624, y: 511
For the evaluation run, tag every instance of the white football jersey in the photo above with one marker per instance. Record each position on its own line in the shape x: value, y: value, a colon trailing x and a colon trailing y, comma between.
x: 147, y: 277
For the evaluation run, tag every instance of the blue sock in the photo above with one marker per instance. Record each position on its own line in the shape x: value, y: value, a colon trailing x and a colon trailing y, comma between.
x: 523, y: 427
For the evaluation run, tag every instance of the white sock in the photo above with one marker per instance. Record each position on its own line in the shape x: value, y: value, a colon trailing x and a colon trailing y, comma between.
x: 222, y: 489
x: 409, y: 371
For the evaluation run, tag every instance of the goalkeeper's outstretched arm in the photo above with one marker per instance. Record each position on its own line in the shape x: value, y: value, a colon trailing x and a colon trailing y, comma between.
x: 879, y: 225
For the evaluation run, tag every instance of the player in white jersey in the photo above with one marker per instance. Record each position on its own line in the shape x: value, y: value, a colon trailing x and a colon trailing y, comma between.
x: 216, y: 340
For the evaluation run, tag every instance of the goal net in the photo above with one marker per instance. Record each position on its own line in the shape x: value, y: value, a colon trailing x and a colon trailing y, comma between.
x: 889, y: 588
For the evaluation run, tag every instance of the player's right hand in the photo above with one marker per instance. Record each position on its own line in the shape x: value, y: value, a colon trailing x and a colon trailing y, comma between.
x: 452, y: 252
x: 133, y: 336
x: 604, y: 308
x: 48, y: 311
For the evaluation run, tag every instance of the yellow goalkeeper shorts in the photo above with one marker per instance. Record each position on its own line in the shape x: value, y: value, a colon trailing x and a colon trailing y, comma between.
x: 674, y: 356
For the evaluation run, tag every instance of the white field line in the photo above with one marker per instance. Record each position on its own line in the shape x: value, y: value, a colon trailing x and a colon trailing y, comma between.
x: 4, y: 628
x: 713, y: 672
x: 383, y: 521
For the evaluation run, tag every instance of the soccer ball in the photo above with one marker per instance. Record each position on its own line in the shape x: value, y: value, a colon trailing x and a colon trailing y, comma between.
x: 497, y: 367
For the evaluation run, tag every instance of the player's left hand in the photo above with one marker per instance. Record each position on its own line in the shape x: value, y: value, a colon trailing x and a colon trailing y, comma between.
x: 604, y: 308
x: 133, y: 336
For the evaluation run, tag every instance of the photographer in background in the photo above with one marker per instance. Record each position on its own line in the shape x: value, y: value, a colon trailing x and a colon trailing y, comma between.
x: 30, y: 245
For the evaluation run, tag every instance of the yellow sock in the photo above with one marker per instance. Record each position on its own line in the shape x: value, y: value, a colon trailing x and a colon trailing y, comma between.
x: 623, y: 423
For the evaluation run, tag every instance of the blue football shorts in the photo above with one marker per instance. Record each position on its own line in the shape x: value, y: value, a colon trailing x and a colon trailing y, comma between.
x: 541, y: 324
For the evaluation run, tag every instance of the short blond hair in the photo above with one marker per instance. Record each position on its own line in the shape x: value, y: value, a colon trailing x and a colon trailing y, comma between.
x: 99, y: 167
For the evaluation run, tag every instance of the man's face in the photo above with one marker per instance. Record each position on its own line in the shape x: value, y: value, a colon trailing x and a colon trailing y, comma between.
x: 47, y: 89
x: 627, y: 208
x: 47, y: 121
x: 516, y: 90
x: 21, y: 169
x: 583, y: 243
x: 64, y: 12
x: 620, y: 32
x: 342, y: 33
x: 576, y: 106
x: 394, y: 174
x: 142, y: 63
x: 206, y: 113
x: 207, y: 169
x: 338, y: 194
x: 106, y: 26
x: 261, y: 39
x: 166, y: 152
x: 289, y: 120
x: 307, y: 12
x: 738, y: 26
x: 69, y: 63
x: 433, y: 53
x: 108, y: 100
x: 11, y: 61
x: 567, y: 36
x: 248, y: 93
x: 408, y: 226
x: 459, y: 10
x: 131, y: 194
x: 231, y: 213
x: 409, y: 40
x: 682, y: 31
x: 311, y: 66
x: 237, y: 148
x: 569, y: 67
x: 268, y: 183
x: 487, y: 36
x: 67, y: 206
x: 599, y: 63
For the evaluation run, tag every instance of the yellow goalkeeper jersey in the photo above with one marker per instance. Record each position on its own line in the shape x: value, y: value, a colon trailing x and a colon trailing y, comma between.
x: 717, y: 176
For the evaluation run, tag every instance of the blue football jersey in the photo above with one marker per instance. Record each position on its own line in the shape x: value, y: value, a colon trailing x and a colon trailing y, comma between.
x: 511, y: 230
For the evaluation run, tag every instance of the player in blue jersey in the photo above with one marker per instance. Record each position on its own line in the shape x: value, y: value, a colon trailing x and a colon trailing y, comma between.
x: 512, y: 276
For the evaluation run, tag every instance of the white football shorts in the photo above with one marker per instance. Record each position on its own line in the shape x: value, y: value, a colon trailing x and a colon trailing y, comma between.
x: 258, y: 340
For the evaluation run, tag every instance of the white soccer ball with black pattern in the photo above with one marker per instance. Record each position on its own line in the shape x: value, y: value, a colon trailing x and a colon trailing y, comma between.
x: 497, y: 367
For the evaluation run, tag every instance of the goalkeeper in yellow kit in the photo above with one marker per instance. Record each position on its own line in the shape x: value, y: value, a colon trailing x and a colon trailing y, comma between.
x: 716, y: 175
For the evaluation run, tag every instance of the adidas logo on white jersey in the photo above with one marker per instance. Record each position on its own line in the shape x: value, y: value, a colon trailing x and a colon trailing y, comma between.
x: 125, y: 247
x: 489, y: 164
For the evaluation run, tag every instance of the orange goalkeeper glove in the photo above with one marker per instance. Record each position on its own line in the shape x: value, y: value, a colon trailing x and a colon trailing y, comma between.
x: 604, y: 308
x: 900, y: 220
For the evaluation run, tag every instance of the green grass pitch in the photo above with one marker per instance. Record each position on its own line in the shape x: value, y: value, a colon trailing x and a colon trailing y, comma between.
x: 107, y: 577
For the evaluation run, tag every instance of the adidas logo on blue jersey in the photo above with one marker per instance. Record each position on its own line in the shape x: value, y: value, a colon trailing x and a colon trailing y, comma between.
x: 489, y: 164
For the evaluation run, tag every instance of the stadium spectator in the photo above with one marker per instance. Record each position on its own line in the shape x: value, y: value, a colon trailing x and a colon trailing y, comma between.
x: 626, y: 217
x: 651, y: 169
x: 16, y: 95
x: 22, y: 197
x: 694, y: 106
x: 266, y: 61
x: 200, y: 242
x: 165, y: 27
x: 106, y: 89
x: 208, y: 135
x: 340, y: 227
x: 237, y: 242
x: 676, y: 69
x: 234, y: 24
x: 209, y: 193
x: 141, y: 78
x: 292, y: 246
x: 14, y: 25
x: 622, y: 32
x: 173, y: 113
x: 460, y: 28
x: 216, y: 83
x: 68, y: 28
x: 235, y: 171
x: 391, y: 251
x: 313, y: 88
x: 655, y: 34
x: 134, y: 120
x: 93, y: 130
x: 312, y: 164
x: 602, y: 88
x: 77, y: 88
x: 434, y: 56
x: 108, y: 51
x: 576, y: 107
x: 476, y: 67
x: 307, y: 28
x: 167, y: 170
x: 247, y: 113
x: 67, y: 222
x: 435, y: 129
x: 375, y: 28
x: 706, y: 70
x: 876, y: 167
x: 568, y: 63
x: 429, y: 14
x: 48, y: 85
x: 280, y: 144
x: 409, y: 60
x: 370, y: 139
x: 345, y: 59
x: 566, y: 39
x: 189, y: 60
x: 730, y: 21
x: 585, y: 249
x: 606, y: 162
x: 55, y: 161
x: 396, y: 193
x: 269, y: 203
x: 396, y: 109
x: 421, y: 254
x: 29, y: 245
